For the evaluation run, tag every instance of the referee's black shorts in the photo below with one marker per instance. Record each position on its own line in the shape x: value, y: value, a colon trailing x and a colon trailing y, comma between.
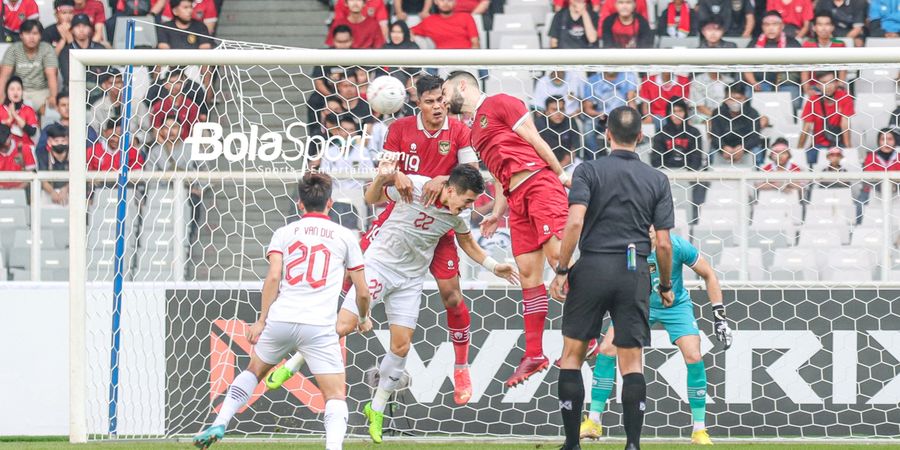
x: 601, y: 282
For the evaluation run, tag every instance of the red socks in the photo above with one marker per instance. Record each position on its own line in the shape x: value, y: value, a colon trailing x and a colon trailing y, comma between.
x: 458, y: 321
x: 535, y: 314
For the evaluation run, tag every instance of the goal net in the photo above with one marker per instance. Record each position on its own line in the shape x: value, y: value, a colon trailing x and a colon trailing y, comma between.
x: 216, y: 142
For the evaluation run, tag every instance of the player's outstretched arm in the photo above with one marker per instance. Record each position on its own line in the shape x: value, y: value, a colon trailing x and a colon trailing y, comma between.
x: 490, y: 223
x: 383, y: 176
x: 474, y: 251
x: 363, y: 298
x: 704, y: 270
x: 528, y: 131
x: 269, y: 294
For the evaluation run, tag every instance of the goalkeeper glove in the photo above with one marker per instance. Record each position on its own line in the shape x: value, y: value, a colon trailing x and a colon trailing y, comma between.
x: 723, y: 332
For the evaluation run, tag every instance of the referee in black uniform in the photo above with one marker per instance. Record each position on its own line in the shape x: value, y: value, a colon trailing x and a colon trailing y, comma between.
x: 612, y: 203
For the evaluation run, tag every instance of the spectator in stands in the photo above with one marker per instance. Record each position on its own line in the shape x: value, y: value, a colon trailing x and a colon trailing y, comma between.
x: 835, y: 155
x: 562, y: 84
x: 733, y: 156
x: 736, y: 127
x: 773, y: 36
x: 884, y: 18
x: 140, y: 8
x: 346, y: 155
x: 656, y: 94
x: 60, y: 34
x: 557, y: 128
x: 626, y: 28
x: 826, y: 116
x: 569, y: 29
x: 162, y: 88
x: 179, y: 105
x: 604, y: 92
x: 448, y: 29
x: 780, y: 161
x: 849, y: 17
x: 110, y: 107
x: 325, y: 77
x: 676, y: 20
x: 736, y: 18
x: 104, y: 154
x: 711, y: 35
x: 95, y: 10
x: 55, y: 158
x: 81, y: 33
x: 35, y: 63
x: 15, y: 13
x: 183, y: 33
x: 371, y: 8
x: 796, y: 15
x: 611, y: 8
x: 365, y: 29
x: 418, y: 9
x: 708, y: 91
x: 203, y: 11
x: 356, y: 107
x: 62, y: 107
x: 169, y: 153
x: 822, y: 37
x: 19, y: 117
x: 885, y: 158
x: 400, y: 38
x: 677, y: 144
x: 472, y: 6
x: 14, y: 158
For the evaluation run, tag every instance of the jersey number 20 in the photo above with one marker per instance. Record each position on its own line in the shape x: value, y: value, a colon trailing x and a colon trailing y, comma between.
x: 307, y: 255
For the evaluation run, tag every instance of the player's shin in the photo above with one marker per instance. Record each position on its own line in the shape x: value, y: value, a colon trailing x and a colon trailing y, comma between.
x: 535, y: 315
x: 570, y: 391
x: 238, y: 394
x: 603, y: 381
x: 335, y: 423
x: 295, y: 363
x: 390, y: 373
x: 458, y: 322
x: 696, y: 389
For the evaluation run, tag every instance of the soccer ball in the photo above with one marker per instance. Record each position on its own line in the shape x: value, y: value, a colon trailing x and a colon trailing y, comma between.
x: 386, y: 94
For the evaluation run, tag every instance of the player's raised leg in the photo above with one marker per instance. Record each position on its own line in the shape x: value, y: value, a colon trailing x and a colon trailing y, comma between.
x: 390, y: 372
x: 604, y: 379
x: 458, y: 323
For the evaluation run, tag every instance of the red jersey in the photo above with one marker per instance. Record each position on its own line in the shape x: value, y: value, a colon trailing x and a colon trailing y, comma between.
x: 816, y: 111
x: 795, y: 12
x: 466, y: 6
x: 186, y: 112
x: 366, y: 34
x: 204, y: 11
x: 771, y: 167
x: 609, y: 7
x: 17, y: 160
x: 99, y: 159
x: 430, y: 154
x: 94, y: 9
x: 372, y: 8
x: 495, y: 140
x: 453, y: 31
x: 657, y: 93
x: 875, y: 163
x: 17, y: 134
x: 14, y: 15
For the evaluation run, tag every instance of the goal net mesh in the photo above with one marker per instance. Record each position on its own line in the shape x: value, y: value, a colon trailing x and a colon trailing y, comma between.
x: 809, y: 360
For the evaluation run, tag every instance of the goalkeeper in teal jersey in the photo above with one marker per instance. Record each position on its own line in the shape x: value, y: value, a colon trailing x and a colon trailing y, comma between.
x: 679, y: 322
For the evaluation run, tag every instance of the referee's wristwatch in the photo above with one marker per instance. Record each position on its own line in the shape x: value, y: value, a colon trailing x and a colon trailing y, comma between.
x: 663, y: 288
x: 562, y: 270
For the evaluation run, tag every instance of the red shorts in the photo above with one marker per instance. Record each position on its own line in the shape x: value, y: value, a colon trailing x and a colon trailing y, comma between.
x: 444, y: 265
x: 538, y: 210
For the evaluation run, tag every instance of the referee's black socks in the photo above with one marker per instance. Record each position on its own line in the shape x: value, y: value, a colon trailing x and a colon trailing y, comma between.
x: 634, y: 398
x: 570, y: 390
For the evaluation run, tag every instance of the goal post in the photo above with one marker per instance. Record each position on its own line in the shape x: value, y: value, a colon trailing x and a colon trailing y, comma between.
x: 206, y: 313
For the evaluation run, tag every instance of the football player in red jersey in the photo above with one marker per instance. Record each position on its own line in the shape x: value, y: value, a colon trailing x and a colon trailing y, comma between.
x: 430, y: 144
x: 506, y: 139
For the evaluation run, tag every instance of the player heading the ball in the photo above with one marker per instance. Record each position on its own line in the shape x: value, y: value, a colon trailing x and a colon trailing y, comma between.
x: 307, y: 261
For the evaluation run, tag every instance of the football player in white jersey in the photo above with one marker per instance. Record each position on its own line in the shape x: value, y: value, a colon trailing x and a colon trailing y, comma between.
x: 397, y: 262
x: 300, y: 295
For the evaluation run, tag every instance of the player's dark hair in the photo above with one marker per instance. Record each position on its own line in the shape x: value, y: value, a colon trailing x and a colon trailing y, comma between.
x: 58, y: 3
x: 462, y: 74
x: 341, y: 29
x: 559, y: 101
x: 57, y: 130
x: 427, y: 83
x: 31, y: 25
x: 823, y: 13
x: 315, y: 190
x: 62, y: 95
x: 739, y: 87
x: 465, y: 178
x: 624, y: 124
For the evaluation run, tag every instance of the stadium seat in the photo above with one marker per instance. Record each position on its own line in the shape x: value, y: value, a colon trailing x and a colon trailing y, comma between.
x: 482, y: 33
x: 12, y: 198
x: 847, y: 264
x: 871, y: 81
x: 513, y: 82
x: 55, y: 265
x: 741, y: 42
x: 713, y: 217
x: 777, y: 106
x: 682, y: 227
x: 678, y: 43
x: 46, y: 12
x: 425, y: 43
x: 882, y: 42
x: 835, y: 219
x: 724, y: 194
x: 839, y: 200
x: 55, y: 221
x: 524, y: 41
x: 144, y: 34
x: 11, y: 219
x: 538, y: 9
x: 513, y: 23
x: 873, y: 112
x: 794, y: 264
x: 545, y: 30
x: 821, y: 237
x: 767, y: 199
x: 22, y: 241
x: 729, y: 264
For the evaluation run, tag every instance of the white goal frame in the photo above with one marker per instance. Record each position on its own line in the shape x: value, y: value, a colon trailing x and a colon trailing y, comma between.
x: 80, y: 59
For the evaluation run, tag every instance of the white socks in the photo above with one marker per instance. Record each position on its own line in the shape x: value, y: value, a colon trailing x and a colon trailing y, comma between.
x: 237, y: 396
x: 390, y: 373
x: 335, y: 424
x: 699, y: 426
x: 295, y: 363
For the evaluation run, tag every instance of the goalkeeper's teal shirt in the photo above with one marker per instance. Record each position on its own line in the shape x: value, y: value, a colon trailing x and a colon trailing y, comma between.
x: 683, y: 254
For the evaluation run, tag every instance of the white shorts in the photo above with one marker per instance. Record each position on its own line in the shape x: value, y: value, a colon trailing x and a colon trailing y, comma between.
x: 402, y: 297
x: 319, y: 345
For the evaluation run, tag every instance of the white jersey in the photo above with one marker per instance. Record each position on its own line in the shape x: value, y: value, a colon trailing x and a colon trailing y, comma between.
x: 316, y: 252
x: 406, y: 240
